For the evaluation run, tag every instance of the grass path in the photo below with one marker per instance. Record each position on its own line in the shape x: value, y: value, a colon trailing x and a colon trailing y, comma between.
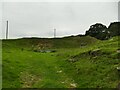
x: 34, y: 70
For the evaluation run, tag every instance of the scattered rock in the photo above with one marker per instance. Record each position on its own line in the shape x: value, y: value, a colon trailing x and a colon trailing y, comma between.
x: 118, y: 50
x: 118, y: 68
x: 73, y: 85
x: 59, y: 71
x: 72, y: 60
x: 95, y: 52
x: 27, y: 79
x: 62, y: 82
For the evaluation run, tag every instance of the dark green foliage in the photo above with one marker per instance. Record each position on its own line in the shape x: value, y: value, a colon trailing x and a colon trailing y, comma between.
x: 101, y: 32
x: 114, y: 29
x: 98, y: 31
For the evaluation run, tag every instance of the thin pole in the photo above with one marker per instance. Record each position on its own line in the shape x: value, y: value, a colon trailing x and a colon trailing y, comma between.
x: 7, y: 31
x: 54, y: 33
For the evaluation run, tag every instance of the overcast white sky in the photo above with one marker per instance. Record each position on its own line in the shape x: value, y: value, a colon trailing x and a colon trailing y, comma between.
x: 38, y: 19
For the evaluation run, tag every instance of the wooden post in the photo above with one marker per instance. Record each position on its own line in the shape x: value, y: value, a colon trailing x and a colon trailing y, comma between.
x: 7, y: 31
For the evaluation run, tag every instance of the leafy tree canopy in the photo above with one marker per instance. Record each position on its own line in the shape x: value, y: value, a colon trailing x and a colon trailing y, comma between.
x: 100, y: 31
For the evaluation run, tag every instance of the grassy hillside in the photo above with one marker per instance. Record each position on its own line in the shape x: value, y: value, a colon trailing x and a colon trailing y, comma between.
x: 70, y: 42
x: 78, y: 62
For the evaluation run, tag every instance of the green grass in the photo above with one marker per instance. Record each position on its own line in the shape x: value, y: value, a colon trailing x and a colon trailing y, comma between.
x: 79, y: 62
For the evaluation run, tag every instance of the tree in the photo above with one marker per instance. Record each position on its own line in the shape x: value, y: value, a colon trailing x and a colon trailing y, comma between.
x: 114, y: 29
x: 98, y: 31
